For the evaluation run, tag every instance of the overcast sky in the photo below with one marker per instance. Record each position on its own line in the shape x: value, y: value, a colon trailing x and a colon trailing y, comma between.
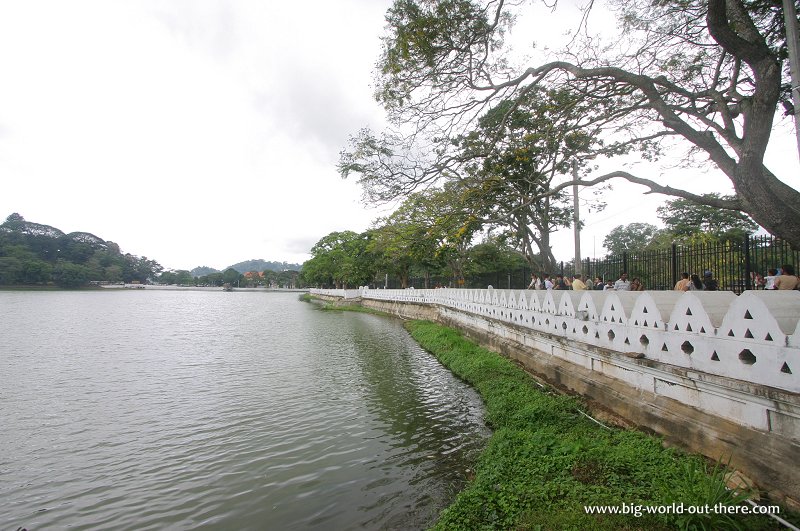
x: 191, y: 132
x: 202, y: 132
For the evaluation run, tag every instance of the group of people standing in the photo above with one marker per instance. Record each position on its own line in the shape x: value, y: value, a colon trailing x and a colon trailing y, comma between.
x: 578, y: 283
x: 694, y: 283
x: 786, y: 280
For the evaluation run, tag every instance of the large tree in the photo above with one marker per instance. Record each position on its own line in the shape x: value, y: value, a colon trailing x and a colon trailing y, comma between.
x: 686, y: 220
x: 339, y: 259
x: 429, y: 231
x: 630, y: 237
x: 514, y: 155
x: 708, y: 73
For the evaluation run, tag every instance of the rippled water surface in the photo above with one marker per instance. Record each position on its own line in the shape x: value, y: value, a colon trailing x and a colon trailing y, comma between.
x: 154, y: 409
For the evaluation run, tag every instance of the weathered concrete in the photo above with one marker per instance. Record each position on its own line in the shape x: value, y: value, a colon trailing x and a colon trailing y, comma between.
x: 692, y: 369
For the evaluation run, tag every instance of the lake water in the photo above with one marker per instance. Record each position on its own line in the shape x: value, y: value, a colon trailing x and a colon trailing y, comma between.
x: 147, y: 409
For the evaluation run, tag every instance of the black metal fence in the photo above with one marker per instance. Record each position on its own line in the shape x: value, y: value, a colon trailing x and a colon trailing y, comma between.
x: 737, y: 266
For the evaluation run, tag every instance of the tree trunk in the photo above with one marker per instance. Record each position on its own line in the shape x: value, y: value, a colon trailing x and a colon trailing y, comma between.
x: 771, y: 203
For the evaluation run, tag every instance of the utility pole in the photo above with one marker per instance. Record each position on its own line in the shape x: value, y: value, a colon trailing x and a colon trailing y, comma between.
x: 576, y: 218
x: 790, y: 18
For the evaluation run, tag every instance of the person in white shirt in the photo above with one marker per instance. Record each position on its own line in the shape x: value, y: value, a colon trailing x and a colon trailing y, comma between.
x: 623, y: 284
x: 548, y: 284
x: 769, y: 280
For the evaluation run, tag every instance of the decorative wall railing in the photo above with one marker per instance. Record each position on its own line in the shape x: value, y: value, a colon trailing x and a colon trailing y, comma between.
x: 753, y: 337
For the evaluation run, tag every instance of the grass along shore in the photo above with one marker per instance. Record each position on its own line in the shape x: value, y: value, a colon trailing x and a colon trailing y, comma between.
x: 546, y: 460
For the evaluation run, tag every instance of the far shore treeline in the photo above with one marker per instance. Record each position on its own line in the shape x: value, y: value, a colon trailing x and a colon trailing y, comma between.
x: 425, y: 240
x: 37, y: 255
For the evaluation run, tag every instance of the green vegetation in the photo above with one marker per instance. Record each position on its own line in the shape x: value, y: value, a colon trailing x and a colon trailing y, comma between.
x: 263, y: 265
x: 33, y: 254
x: 327, y: 306
x: 705, y: 81
x: 408, y: 245
x: 248, y: 279
x: 546, y: 461
x: 36, y: 255
x: 685, y: 223
x: 339, y: 259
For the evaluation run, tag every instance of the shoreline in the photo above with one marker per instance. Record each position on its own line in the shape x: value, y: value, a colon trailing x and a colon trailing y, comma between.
x: 150, y: 287
x: 548, y: 461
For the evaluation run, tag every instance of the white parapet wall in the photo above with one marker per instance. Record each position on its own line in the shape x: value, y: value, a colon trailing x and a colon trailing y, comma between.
x: 713, y: 337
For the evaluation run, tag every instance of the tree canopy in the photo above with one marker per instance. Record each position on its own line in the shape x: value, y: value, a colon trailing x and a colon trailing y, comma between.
x: 685, y: 222
x: 32, y: 253
x: 685, y: 219
x: 708, y: 74
x: 339, y: 260
x: 630, y: 237
x: 515, y: 153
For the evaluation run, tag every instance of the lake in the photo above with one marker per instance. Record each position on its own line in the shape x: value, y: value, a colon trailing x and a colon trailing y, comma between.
x: 151, y: 409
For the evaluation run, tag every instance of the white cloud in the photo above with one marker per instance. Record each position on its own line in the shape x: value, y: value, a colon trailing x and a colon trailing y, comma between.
x: 192, y: 132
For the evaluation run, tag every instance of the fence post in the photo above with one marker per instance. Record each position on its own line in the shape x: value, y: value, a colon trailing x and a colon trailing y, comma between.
x: 674, y: 264
x: 625, y: 261
x: 748, y: 267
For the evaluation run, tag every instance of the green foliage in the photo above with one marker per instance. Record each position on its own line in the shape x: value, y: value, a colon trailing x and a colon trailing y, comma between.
x: 686, y: 222
x: 694, y: 484
x: 424, y: 33
x: 202, y: 271
x: 704, y: 77
x: 429, y: 233
x: 689, y: 221
x: 281, y: 279
x: 630, y: 237
x: 340, y: 259
x: 36, y: 254
x: 492, y: 255
x: 231, y: 276
x: 180, y: 277
x: 517, y: 150
x: 262, y: 265
x: 545, y: 461
x: 69, y: 275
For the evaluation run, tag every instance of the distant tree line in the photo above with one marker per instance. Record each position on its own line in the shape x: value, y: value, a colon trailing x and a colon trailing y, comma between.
x: 35, y: 254
x: 252, y: 279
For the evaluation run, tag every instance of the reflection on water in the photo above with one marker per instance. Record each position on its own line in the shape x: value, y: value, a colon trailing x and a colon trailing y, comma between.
x: 152, y: 409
